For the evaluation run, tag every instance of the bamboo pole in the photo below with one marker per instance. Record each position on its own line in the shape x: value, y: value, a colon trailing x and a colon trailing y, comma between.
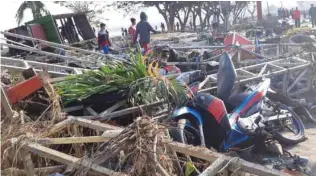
x: 69, y: 160
x: 39, y: 171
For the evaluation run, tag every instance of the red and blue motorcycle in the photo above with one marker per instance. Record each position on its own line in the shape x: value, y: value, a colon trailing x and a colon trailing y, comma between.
x: 234, y: 121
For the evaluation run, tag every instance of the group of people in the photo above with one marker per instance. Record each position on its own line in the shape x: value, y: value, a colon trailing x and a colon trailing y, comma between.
x: 296, y: 15
x: 141, y: 29
x: 124, y: 32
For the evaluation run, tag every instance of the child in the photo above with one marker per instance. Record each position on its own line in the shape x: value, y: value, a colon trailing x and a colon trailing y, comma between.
x: 103, y: 39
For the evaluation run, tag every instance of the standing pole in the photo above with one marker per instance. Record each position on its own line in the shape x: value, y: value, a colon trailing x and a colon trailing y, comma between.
x: 259, y: 11
x: 268, y: 8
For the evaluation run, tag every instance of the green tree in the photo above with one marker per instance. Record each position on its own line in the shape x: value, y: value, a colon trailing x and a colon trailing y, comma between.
x: 37, y: 7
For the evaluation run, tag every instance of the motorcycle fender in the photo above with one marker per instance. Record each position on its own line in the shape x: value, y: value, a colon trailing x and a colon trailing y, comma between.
x: 186, y: 110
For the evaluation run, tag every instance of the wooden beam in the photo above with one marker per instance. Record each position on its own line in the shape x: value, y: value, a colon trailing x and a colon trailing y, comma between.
x: 113, y: 108
x: 39, y: 171
x: 124, y: 111
x: 27, y: 162
x: 91, y: 111
x: 68, y: 160
x: 5, y: 104
x: 66, y: 15
x: 74, y: 108
x: 57, y: 127
x: 111, y: 133
x: 206, y: 154
x: 93, y: 124
x: 214, y: 168
x: 47, y: 53
x: 78, y: 150
x: 60, y: 46
x: 72, y: 140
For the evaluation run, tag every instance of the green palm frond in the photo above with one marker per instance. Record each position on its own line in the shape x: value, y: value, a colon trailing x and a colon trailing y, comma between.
x: 140, y: 85
x: 37, y: 7
x: 20, y: 13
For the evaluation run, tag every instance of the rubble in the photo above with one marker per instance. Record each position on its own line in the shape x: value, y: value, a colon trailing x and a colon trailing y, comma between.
x: 118, y: 126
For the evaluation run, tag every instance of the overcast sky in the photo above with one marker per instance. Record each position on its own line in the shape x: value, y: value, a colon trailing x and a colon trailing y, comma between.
x: 116, y: 20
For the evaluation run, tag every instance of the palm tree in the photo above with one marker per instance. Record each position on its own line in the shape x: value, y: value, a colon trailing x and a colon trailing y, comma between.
x: 37, y: 7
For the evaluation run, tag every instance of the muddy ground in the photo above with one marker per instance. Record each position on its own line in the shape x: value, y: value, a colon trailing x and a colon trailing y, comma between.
x: 308, y: 147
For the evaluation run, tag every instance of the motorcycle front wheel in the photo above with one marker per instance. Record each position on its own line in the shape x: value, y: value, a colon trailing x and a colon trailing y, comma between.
x: 289, y: 126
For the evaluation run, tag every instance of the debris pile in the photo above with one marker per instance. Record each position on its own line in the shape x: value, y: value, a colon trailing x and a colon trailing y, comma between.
x: 114, y: 116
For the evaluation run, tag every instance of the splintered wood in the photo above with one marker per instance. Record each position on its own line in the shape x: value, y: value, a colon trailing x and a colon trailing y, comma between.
x: 220, y: 164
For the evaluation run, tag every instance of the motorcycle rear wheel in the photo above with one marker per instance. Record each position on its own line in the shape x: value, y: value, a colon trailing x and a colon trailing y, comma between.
x: 298, y: 137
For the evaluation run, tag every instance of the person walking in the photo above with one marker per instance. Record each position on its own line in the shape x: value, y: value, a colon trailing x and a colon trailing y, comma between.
x: 178, y: 26
x: 162, y: 27
x: 143, y: 28
x: 297, y: 17
x: 103, y: 39
x: 132, y: 29
x: 312, y: 14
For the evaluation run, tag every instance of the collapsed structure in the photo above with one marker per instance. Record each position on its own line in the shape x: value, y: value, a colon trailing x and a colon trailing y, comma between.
x: 103, y: 133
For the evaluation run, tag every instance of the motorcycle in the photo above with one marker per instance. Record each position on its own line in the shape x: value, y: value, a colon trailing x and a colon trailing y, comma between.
x: 234, y: 121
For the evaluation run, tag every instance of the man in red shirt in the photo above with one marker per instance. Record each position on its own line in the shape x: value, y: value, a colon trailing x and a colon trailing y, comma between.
x: 132, y: 28
x: 297, y: 17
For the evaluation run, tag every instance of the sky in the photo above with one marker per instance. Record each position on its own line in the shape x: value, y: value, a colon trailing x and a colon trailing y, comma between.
x: 116, y: 20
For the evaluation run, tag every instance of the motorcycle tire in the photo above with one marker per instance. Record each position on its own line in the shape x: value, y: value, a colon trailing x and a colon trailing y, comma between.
x: 300, y: 137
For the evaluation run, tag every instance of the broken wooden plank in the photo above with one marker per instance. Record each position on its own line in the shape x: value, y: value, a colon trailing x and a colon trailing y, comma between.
x: 92, y: 124
x: 68, y: 160
x: 72, y: 140
x: 78, y: 150
x: 111, y: 133
x: 74, y: 108
x: 113, y: 108
x: 123, y: 112
x: 5, y: 104
x: 215, y: 167
x: 39, y: 171
x: 91, y: 111
x: 27, y: 162
x: 206, y: 154
x: 57, y: 127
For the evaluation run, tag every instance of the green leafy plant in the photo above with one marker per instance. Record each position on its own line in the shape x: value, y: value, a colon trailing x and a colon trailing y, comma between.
x: 138, y: 80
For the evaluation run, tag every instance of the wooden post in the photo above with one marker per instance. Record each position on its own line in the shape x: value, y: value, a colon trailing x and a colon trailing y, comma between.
x: 296, y: 80
x: 27, y: 162
x: 239, y: 55
x: 6, y: 104
x: 214, y: 168
x: 77, y: 147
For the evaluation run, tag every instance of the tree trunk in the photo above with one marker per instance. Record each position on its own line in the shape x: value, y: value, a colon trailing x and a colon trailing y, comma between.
x: 208, y: 22
x: 194, y: 22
